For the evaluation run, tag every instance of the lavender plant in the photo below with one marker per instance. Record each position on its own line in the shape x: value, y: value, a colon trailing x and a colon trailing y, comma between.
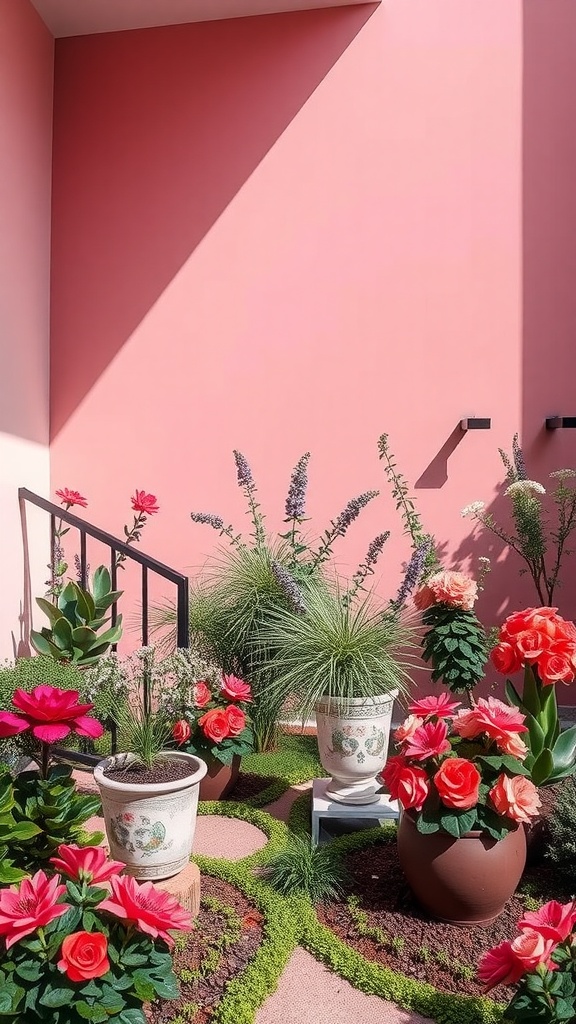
x: 541, y: 525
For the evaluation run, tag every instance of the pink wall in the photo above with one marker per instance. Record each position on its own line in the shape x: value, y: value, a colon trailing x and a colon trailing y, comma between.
x: 26, y: 78
x: 290, y: 233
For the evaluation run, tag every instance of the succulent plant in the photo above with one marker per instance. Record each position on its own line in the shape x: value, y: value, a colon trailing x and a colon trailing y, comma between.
x: 75, y: 620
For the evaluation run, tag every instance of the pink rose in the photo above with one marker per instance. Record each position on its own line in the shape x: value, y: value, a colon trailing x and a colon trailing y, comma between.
x: 553, y: 921
x: 429, y: 740
x: 516, y: 798
x: 491, y: 716
x: 453, y: 588
x: 407, y: 729
x: 235, y: 689
x: 500, y: 966
x: 510, y: 743
x: 423, y: 598
x: 201, y: 694
x: 531, y: 948
x: 438, y: 705
x: 458, y: 781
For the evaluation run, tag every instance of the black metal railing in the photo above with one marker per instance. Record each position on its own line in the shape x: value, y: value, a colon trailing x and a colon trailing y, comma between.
x: 117, y: 547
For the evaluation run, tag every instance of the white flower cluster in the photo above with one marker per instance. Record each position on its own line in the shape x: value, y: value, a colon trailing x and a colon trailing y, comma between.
x: 525, y: 486
x: 562, y: 473
x: 473, y: 509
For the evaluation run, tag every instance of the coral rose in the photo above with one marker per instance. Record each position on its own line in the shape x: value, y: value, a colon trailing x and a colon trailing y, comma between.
x: 531, y: 948
x: 554, y: 668
x: 214, y: 725
x: 181, y: 731
x: 424, y: 598
x: 516, y: 798
x: 458, y: 781
x: 531, y: 644
x: 553, y: 921
x: 201, y: 694
x: 407, y: 729
x: 412, y: 788
x: 500, y: 966
x: 510, y: 743
x: 84, y: 956
x: 236, y: 720
x: 505, y: 659
x: 453, y: 588
x: 391, y: 773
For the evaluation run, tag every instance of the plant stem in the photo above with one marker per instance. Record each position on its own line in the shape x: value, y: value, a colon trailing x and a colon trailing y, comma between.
x: 45, y: 760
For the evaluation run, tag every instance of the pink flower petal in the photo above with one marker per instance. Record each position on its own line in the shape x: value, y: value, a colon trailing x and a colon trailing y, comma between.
x: 51, y: 732
x: 11, y: 724
x: 85, y: 726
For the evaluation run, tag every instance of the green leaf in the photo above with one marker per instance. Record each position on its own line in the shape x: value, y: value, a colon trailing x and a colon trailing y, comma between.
x: 131, y: 1017
x: 457, y: 823
x: 54, y: 997
x: 542, y: 767
x: 50, y: 610
x: 531, y: 693
x: 564, y: 751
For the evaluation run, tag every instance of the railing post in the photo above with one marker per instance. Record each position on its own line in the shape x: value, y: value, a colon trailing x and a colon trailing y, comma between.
x: 183, y: 614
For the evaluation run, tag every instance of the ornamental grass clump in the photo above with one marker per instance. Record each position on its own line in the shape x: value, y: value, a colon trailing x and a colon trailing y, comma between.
x: 541, y: 963
x: 86, y: 944
x: 462, y: 769
x: 315, y: 871
x: 544, y: 644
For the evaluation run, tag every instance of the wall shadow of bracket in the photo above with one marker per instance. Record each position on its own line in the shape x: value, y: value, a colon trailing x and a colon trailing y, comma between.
x: 436, y: 473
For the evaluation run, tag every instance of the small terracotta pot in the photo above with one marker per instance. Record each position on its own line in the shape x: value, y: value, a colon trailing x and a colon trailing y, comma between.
x: 220, y: 779
x: 466, y: 881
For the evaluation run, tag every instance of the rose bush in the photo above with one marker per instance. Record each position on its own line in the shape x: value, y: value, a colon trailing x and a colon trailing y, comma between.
x: 213, y: 720
x: 541, y: 961
x: 544, y: 644
x: 88, y: 944
x: 454, y: 768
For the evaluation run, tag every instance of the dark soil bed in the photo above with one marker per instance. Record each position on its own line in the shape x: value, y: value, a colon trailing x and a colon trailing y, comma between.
x: 227, y: 933
x: 380, y: 918
x: 248, y: 786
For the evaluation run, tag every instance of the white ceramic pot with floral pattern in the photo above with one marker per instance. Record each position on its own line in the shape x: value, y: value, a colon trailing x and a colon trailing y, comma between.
x: 150, y: 826
x: 353, y: 745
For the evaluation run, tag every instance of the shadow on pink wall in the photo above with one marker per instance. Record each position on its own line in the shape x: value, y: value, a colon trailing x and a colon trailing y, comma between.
x: 549, y: 244
x: 170, y: 169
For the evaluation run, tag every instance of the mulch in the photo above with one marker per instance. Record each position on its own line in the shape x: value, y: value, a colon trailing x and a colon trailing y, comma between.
x: 206, y: 992
x: 248, y: 786
x: 444, y: 955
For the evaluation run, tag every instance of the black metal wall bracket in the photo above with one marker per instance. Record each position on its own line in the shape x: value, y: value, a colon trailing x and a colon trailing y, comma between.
x: 557, y: 422
x: 475, y: 424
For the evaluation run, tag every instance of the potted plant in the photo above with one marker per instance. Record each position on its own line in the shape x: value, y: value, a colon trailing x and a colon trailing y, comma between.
x: 212, y: 722
x: 40, y: 808
x: 540, y: 963
x: 344, y: 658
x: 86, y: 943
x: 149, y: 793
x: 75, y: 620
x: 465, y: 794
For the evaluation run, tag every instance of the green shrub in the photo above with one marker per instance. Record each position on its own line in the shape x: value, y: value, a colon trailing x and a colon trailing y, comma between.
x: 562, y: 824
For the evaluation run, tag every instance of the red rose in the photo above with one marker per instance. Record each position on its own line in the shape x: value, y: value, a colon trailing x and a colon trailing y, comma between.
x: 505, y: 659
x: 202, y: 695
x: 500, y: 966
x: 412, y: 788
x: 214, y: 725
x: 458, y: 781
x: 84, y: 956
x: 146, y: 503
x: 236, y: 719
x: 181, y: 731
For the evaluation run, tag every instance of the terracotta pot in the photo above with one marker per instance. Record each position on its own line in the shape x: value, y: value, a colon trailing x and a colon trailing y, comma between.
x: 466, y: 881
x: 220, y: 779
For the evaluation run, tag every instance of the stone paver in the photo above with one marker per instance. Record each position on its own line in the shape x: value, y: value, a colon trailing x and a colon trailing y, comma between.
x: 231, y: 838
x: 308, y: 993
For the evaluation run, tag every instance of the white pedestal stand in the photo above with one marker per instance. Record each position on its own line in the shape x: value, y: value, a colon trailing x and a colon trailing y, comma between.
x: 323, y: 807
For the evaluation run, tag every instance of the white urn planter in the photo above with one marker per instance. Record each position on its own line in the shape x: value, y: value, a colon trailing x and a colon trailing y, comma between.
x: 353, y: 739
x: 150, y: 826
